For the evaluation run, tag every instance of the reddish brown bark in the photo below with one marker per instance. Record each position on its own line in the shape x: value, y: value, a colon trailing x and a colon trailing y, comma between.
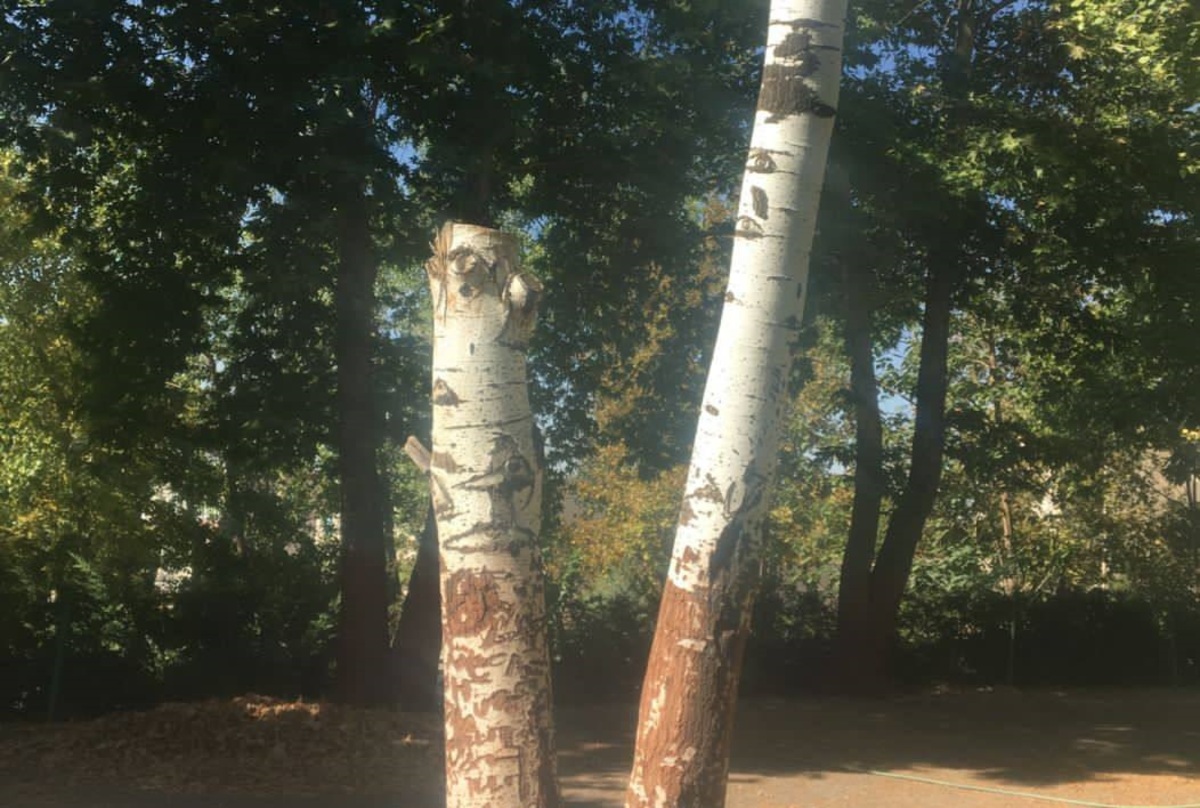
x: 696, y: 692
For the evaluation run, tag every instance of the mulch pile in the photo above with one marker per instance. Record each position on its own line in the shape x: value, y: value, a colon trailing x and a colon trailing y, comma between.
x: 249, y: 744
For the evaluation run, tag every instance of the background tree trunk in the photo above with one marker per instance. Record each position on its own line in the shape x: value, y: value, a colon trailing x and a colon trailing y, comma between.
x: 362, y: 669
x: 894, y: 563
x: 419, y: 634
x: 854, y: 590
x: 486, y: 479
x: 688, y: 698
x: 868, y: 616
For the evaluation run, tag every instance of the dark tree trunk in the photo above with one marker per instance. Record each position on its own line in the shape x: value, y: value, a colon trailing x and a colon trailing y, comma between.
x: 418, y: 643
x: 894, y: 562
x: 854, y: 591
x: 867, y: 625
x: 362, y: 651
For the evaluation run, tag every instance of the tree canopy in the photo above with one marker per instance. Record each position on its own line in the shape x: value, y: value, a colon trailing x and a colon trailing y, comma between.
x: 185, y: 184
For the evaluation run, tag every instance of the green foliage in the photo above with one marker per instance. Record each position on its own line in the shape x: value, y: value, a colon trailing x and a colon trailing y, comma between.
x: 185, y: 160
x: 167, y: 267
x: 617, y: 527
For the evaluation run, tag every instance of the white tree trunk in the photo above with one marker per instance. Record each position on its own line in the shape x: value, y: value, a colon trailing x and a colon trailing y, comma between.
x: 486, y: 476
x: 688, y: 696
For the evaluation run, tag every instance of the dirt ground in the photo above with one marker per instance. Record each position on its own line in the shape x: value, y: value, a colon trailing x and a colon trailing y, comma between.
x: 937, y: 750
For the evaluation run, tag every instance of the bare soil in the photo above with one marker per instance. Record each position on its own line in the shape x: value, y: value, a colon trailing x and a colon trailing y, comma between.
x: 1001, y: 749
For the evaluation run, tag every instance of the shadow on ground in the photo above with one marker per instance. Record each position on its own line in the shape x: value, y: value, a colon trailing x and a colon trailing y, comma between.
x: 1118, y: 746
x: 1034, y: 738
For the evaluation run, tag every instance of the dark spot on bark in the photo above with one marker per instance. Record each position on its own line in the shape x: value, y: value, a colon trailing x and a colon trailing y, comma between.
x: 779, y: 278
x: 792, y: 322
x: 522, y: 539
x: 690, y: 556
x: 710, y: 491
x: 723, y: 553
x: 459, y: 252
x: 465, y: 291
x: 730, y: 298
x: 793, y: 45
x: 443, y: 395
x: 799, y: 290
x: 785, y: 93
x: 798, y: 47
x: 758, y: 198
x: 748, y: 228
x: 808, y: 63
x: 711, y: 410
x: 729, y: 492
x: 808, y: 22
x: 518, y: 472
x: 686, y: 513
x: 760, y: 162
x: 471, y: 349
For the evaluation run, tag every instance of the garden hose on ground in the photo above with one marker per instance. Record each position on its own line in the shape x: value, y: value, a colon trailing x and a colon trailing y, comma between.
x: 1029, y: 795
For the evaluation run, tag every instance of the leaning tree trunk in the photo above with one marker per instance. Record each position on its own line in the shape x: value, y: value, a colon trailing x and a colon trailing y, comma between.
x: 687, y: 705
x: 486, y: 478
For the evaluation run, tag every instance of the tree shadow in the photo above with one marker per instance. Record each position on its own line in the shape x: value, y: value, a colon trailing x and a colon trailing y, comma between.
x: 1024, y: 741
x: 595, y: 751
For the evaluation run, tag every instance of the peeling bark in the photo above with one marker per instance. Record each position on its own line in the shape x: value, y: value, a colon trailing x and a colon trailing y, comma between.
x: 688, y: 697
x: 486, y: 480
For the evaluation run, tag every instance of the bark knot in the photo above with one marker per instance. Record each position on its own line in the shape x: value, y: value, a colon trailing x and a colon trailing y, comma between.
x: 444, y: 395
x: 761, y: 162
x: 509, y: 473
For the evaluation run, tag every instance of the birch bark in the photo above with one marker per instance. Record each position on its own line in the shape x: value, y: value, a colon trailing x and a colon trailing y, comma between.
x: 687, y: 706
x: 486, y: 478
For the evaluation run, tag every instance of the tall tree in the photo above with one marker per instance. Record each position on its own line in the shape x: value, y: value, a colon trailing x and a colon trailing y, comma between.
x: 872, y: 584
x: 363, y: 671
x: 114, y: 159
x: 686, y: 716
x: 1015, y: 99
